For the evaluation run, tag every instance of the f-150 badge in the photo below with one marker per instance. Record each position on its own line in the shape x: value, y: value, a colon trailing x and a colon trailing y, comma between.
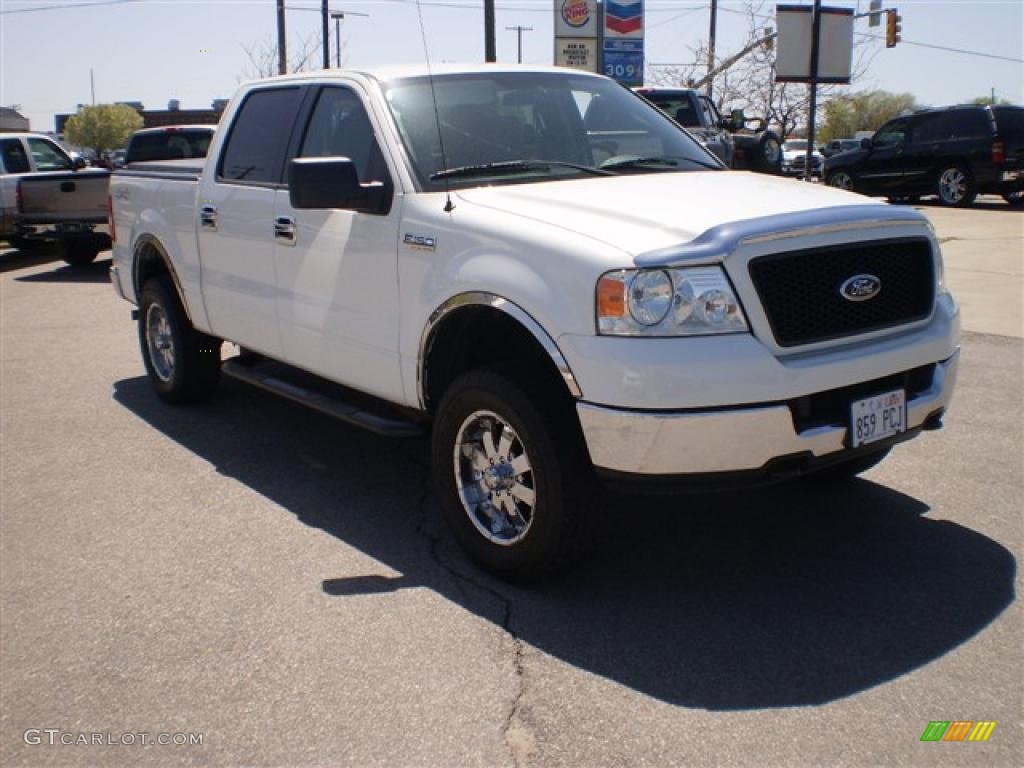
x: 422, y: 242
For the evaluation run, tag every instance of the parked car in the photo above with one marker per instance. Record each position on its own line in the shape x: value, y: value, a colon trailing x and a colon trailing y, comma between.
x: 794, y: 158
x: 535, y: 268
x: 739, y: 142
x: 47, y: 196
x: 836, y: 146
x: 173, y: 142
x: 117, y: 158
x: 955, y: 153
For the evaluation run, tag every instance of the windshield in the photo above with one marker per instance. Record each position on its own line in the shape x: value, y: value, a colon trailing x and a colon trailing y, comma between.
x: 509, y: 127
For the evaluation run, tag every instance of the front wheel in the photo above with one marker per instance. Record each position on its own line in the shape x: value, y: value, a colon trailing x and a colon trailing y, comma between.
x: 955, y: 187
x: 511, y: 475
x: 768, y: 155
x: 183, y: 364
x: 841, y: 180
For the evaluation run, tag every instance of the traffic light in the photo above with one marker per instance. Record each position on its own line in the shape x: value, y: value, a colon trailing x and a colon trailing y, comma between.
x: 892, y: 28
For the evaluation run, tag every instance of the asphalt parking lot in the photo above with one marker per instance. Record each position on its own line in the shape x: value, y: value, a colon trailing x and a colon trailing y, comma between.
x: 282, y: 585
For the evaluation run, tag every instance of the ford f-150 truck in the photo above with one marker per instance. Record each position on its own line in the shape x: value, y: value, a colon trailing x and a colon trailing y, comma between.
x: 46, y: 196
x: 546, y: 274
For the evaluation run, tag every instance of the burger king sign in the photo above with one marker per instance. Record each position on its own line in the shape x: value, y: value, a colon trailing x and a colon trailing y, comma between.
x: 576, y: 18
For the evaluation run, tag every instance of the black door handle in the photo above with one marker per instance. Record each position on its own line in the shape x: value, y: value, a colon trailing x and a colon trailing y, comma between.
x: 67, y: 186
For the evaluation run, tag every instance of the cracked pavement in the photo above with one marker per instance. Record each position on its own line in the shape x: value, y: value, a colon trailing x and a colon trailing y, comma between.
x: 283, y: 584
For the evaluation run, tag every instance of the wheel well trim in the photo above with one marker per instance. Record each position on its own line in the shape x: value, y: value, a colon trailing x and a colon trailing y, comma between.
x: 148, y: 241
x: 500, y: 303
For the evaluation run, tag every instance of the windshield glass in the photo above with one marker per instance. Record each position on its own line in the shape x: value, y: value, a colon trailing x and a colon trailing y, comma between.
x: 572, y: 124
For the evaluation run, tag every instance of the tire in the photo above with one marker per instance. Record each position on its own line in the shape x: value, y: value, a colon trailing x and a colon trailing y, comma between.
x: 1016, y: 199
x: 848, y: 470
x: 27, y: 245
x: 768, y: 154
x: 841, y: 180
x: 516, y: 452
x: 79, y: 253
x: 955, y: 186
x: 183, y: 364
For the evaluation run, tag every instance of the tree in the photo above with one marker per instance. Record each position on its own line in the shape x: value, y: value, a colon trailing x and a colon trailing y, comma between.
x: 303, y: 56
x: 103, y: 127
x: 866, y: 111
x: 988, y: 101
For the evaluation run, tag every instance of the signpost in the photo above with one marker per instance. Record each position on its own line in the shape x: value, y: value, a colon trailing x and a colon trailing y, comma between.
x: 605, y: 37
x: 623, y: 46
x: 576, y: 31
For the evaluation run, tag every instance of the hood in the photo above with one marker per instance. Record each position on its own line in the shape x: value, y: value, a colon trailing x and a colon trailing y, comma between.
x: 645, y: 212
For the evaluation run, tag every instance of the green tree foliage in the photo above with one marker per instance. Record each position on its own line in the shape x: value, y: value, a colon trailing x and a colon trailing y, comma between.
x: 103, y: 127
x: 846, y: 115
x: 987, y: 100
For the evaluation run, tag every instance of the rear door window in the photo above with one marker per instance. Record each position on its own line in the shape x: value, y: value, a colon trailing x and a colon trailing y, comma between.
x: 14, y: 156
x: 931, y: 128
x: 256, y: 147
x: 969, y: 123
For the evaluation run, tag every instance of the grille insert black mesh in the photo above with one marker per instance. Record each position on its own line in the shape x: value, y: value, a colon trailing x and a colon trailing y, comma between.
x: 799, y: 290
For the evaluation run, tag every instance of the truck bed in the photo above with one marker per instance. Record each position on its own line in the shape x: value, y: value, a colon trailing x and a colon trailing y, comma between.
x: 72, y: 196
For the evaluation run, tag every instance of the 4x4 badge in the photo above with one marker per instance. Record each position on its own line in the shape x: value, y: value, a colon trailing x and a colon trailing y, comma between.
x: 860, y: 288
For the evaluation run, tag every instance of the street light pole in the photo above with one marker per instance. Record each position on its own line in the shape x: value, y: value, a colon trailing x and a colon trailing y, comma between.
x: 519, y: 29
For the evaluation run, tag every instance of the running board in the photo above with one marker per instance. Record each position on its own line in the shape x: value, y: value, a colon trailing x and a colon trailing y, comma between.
x: 272, y: 377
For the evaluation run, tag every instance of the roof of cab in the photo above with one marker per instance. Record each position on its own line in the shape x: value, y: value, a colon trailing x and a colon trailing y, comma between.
x: 397, y: 72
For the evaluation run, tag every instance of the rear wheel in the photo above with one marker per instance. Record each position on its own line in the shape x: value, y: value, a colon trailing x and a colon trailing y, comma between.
x: 768, y: 154
x: 183, y: 364
x: 841, y: 180
x: 850, y: 469
x: 955, y: 186
x: 512, y: 475
x: 80, y: 253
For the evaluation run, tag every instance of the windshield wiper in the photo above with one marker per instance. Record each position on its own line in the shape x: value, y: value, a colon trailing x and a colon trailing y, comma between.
x: 513, y: 166
x: 669, y: 160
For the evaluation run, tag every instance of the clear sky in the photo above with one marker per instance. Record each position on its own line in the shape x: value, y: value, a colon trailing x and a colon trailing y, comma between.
x: 193, y: 50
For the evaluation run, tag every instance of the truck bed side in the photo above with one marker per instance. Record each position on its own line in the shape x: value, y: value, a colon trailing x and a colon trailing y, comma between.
x: 154, y: 208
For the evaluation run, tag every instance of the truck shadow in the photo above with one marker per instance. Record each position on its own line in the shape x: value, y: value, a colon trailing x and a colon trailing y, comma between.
x: 782, y: 597
x: 96, y: 272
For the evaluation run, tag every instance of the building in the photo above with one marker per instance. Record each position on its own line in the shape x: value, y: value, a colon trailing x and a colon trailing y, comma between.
x: 154, y: 118
x: 12, y: 121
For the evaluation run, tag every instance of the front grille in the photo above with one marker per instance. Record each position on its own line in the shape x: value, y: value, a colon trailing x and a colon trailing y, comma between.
x: 799, y: 290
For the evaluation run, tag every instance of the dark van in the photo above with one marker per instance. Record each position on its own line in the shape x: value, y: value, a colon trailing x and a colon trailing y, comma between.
x: 955, y: 153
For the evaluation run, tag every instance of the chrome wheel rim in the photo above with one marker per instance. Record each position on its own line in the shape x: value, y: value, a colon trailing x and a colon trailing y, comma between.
x: 160, y: 342
x: 494, y: 478
x: 841, y: 180
x: 952, y: 185
x: 772, y: 150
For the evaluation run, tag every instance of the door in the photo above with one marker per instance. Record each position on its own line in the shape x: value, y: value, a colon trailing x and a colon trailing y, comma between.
x: 235, y: 220
x: 337, y: 271
x: 882, y: 170
x: 924, y: 150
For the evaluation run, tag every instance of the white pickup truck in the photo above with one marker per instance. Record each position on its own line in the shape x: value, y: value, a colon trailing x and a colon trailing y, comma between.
x: 549, y: 276
x: 47, y: 196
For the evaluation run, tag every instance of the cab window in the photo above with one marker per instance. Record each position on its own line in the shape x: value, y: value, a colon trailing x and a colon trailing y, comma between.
x: 48, y: 156
x: 340, y: 127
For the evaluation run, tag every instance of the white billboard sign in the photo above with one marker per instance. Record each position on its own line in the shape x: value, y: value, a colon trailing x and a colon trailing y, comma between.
x: 835, y: 47
x: 575, y: 18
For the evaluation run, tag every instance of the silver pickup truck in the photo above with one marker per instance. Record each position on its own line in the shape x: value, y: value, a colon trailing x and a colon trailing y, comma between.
x: 46, y: 196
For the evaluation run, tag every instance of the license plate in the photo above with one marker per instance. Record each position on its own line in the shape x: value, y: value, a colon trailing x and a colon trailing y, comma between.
x: 878, y: 417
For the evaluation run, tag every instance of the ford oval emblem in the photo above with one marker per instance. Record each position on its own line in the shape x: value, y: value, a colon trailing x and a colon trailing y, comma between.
x: 860, y: 288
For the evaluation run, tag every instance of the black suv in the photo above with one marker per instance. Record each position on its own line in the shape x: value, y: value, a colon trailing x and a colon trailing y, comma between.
x: 953, y: 152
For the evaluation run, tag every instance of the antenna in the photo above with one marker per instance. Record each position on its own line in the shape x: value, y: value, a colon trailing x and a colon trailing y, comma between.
x: 449, y: 206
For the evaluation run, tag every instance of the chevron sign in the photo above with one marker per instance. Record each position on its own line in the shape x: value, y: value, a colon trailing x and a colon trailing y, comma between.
x: 624, y: 18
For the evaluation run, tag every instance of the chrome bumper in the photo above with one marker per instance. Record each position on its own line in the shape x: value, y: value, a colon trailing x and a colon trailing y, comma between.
x: 696, y: 442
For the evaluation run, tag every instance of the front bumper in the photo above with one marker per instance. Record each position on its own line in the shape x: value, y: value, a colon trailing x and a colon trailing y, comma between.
x: 730, y: 440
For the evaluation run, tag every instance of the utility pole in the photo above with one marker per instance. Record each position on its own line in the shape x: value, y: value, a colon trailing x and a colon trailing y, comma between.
x: 519, y: 29
x: 711, y: 46
x: 490, y: 46
x: 325, y: 32
x: 815, y: 49
x: 92, y: 86
x: 282, y: 53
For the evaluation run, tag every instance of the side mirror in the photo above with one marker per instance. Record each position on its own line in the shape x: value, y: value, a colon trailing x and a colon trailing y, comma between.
x: 79, y: 163
x: 865, y: 143
x: 332, y: 182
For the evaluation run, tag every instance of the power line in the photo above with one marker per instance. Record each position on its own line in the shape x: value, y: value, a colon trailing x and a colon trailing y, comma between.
x: 66, y: 6
x: 964, y: 51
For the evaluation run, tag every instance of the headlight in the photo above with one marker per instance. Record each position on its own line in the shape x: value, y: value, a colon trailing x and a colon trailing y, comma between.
x: 688, y: 301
